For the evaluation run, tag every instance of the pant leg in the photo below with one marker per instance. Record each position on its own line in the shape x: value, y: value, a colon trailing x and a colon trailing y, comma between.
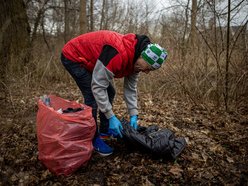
x: 83, y: 79
x: 104, y: 122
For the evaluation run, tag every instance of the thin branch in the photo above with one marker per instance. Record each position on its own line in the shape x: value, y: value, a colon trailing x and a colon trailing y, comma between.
x: 236, y: 39
x: 234, y: 7
x: 44, y: 35
x: 205, y: 40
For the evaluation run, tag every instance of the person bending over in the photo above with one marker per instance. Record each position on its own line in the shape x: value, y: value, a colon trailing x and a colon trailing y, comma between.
x: 94, y: 59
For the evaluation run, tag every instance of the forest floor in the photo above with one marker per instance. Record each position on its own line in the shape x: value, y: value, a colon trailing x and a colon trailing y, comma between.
x: 216, y: 151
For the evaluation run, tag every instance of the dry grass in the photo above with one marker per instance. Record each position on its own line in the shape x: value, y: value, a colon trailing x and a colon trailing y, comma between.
x: 194, y: 79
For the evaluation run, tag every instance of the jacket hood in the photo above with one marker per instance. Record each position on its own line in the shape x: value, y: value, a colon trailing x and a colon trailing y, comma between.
x: 142, y: 42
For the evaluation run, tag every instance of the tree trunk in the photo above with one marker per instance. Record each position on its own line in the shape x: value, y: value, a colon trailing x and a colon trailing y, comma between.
x: 216, y: 53
x: 14, y: 39
x: 227, y: 57
x: 91, y: 15
x: 102, y: 14
x: 106, y: 12
x: 193, y: 24
x: 66, y: 21
x: 83, y: 17
x: 184, y: 44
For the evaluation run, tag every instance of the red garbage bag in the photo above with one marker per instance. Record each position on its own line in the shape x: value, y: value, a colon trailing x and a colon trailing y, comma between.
x: 64, y: 139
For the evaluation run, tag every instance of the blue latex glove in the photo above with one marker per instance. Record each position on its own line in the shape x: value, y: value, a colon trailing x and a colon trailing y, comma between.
x: 115, y: 126
x: 134, y: 121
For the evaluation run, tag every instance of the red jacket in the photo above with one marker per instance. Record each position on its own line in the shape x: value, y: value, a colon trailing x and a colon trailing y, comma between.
x: 87, y: 48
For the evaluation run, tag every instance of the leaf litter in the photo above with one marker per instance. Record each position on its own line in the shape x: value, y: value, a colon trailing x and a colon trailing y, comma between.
x: 216, y: 152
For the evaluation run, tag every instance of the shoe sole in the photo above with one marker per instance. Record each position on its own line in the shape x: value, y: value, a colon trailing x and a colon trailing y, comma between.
x: 104, y: 154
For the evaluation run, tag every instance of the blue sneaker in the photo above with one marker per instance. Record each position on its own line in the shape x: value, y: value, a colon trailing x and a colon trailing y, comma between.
x: 101, y: 147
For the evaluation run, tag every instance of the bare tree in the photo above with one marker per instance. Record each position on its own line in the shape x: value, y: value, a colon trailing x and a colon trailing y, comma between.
x: 66, y: 21
x: 103, y: 14
x: 40, y: 14
x: 91, y: 15
x: 82, y: 17
x: 193, y: 24
x: 14, y: 38
x: 184, y: 45
x: 227, y: 56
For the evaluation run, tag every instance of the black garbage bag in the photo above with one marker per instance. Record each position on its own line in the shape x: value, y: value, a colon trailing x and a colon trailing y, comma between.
x: 159, y: 142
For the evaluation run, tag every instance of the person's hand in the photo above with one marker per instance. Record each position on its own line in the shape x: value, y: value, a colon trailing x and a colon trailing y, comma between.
x: 134, y: 121
x: 115, y: 126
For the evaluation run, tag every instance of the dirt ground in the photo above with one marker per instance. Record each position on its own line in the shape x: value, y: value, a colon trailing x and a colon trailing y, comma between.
x: 216, y: 152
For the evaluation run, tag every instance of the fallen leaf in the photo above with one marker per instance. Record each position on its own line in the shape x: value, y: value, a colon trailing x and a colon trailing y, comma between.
x: 176, y: 171
x: 230, y: 160
x: 216, y: 148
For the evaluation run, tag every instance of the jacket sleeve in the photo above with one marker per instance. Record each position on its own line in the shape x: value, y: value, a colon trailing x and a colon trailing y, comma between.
x: 130, y: 93
x: 101, y: 78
